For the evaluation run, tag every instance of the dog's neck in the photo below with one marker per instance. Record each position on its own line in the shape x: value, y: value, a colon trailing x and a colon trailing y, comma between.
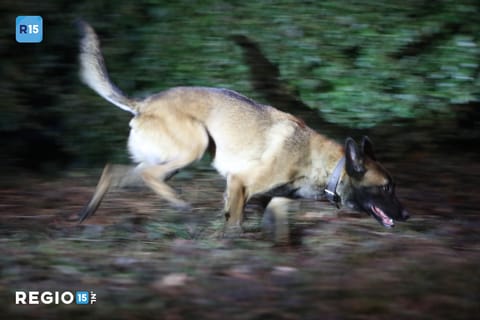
x: 325, y: 156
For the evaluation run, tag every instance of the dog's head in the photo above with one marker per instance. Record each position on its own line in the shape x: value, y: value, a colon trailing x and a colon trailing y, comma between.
x: 370, y: 188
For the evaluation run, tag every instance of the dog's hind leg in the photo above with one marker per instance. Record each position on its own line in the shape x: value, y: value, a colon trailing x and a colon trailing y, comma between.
x: 156, y: 175
x: 121, y: 176
x: 163, y: 144
x: 112, y: 176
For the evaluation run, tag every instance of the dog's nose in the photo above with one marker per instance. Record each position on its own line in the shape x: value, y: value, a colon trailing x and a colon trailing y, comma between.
x: 405, y: 214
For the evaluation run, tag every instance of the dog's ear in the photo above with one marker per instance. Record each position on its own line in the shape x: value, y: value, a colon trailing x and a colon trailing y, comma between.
x: 367, y: 147
x: 353, y: 159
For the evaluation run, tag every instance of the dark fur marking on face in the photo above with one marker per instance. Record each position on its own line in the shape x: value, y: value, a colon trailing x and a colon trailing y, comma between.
x: 372, y: 187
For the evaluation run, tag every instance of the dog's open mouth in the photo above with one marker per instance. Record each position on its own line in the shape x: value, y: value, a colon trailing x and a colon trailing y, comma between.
x: 382, y: 217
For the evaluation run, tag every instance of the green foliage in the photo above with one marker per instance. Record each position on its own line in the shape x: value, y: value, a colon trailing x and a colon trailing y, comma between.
x: 359, y: 63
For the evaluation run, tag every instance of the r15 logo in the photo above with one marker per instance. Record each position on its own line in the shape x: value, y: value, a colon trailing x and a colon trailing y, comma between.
x: 29, y: 29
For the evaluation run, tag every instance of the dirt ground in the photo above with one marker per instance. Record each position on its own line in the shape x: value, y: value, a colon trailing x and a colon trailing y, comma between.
x: 145, y: 260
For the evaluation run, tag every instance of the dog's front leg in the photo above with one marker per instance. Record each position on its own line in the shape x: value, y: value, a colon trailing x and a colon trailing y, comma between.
x: 234, y: 205
x: 275, y: 220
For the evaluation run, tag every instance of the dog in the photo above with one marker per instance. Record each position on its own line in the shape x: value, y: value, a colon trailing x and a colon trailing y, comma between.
x: 259, y: 150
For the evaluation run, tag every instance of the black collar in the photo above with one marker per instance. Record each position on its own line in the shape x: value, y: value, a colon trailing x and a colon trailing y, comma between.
x: 331, y: 189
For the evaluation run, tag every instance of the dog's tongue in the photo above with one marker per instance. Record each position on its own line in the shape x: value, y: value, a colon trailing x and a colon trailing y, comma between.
x: 386, y: 221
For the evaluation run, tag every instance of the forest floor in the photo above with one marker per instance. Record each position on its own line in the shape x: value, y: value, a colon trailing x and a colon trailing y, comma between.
x: 143, y: 259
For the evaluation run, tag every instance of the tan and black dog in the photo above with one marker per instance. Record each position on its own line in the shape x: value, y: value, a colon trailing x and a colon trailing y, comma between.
x: 258, y: 149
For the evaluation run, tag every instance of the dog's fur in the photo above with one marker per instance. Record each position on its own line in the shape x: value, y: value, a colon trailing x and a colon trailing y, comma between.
x: 257, y: 148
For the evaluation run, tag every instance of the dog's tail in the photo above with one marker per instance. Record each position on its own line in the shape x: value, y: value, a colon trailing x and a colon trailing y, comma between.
x: 93, y: 71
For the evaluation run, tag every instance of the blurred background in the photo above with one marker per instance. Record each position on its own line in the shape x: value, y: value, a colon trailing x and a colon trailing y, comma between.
x: 407, y: 73
x: 357, y: 64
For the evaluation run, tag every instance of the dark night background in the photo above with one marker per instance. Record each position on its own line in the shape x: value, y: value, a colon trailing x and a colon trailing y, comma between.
x: 406, y: 73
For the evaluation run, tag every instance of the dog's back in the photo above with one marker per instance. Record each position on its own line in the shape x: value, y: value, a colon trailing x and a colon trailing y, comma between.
x: 241, y: 129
